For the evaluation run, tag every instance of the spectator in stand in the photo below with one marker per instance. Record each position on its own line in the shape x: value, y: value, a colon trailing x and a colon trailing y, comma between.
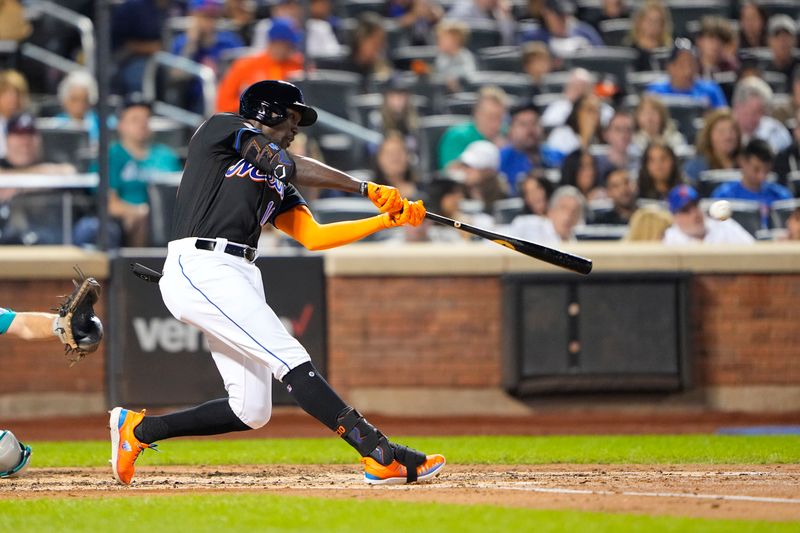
x: 788, y: 160
x: 581, y: 82
x: 397, y: 112
x: 622, y: 153
x: 136, y: 30
x: 242, y: 14
x: 537, y: 62
x: 478, y: 168
x: 564, y: 213
x: 277, y: 62
x: 622, y: 193
x: 13, y: 99
x: 521, y: 155
x: 648, y: 224
x: 690, y: 226
x: 752, y: 25
x: 651, y: 30
x: 562, y: 32
x: 580, y: 171
x: 793, y: 226
x: 133, y: 162
x: 536, y: 191
x: 368, y: 49
x: 454, y: 62
x: 393, y: 165
x: 653, y: 123
x: 718, y: 145
x: 497, y: 11
x: 782, y: 39
x: 321, y: 27
x: 486, y: 124
x: 683, y: 80
x: 752, y: 100
x: 713, y: 42
x: 756, y: 163
x: 609, y: 10
x: 415, y: 18
x: 446, y: 196
x: 77, y: 94
x: 288, y: 10
x: 660, y: 172
x: 581, y: 130
x: 25, y: 154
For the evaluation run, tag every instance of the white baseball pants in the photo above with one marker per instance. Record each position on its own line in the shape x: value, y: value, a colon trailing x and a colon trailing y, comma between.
x: 223, y: 296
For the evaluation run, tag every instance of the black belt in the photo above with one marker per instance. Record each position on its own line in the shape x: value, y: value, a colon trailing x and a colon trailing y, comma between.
x: 238, y: 250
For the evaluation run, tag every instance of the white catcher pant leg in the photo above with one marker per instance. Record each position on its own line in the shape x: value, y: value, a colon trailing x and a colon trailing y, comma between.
x: 223, y: 296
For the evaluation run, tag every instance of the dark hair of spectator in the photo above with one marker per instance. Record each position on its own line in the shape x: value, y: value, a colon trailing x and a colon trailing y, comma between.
x: 647, y: 186
x: 717, y: 27
x: 409, y: 176
x: 759, y: 149
x: 522, y: 108
x: 571, y: 167
x: 439, y: 188
x: 368, y: 25
x: 572, y: 119
x: 547, y: 186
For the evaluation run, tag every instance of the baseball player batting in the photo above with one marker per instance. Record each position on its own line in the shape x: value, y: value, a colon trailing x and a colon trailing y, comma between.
x: 239, y: 177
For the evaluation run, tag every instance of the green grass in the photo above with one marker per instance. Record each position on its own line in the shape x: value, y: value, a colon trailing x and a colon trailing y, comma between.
x: 260, y: 512
x: 640, y: 449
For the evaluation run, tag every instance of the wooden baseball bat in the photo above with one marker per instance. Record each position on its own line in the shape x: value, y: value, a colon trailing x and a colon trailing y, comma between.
x: 576, y: 263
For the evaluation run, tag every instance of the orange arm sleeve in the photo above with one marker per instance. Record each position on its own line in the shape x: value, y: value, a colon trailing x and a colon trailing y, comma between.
x: 299, y: 224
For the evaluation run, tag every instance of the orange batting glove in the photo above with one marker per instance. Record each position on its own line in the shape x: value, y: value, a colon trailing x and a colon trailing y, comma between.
x: 385, y: 198
x: 412, y: 213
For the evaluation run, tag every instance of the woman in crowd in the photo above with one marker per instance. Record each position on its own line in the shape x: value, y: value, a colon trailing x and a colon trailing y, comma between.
x: 653, y: 123
x: 393, y: 166
x: 580, y: 170
x: 752, y: 25
x: 536, y: 191
x: 652, y: 29
x: 77, y: 94
x: 660, y: 172
x: 581, y: 130
x: 718, y: 145
x: 13, y: 100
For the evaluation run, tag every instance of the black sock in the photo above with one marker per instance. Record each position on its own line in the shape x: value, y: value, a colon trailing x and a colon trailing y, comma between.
x: 314, y: 395
x: 210, y: 418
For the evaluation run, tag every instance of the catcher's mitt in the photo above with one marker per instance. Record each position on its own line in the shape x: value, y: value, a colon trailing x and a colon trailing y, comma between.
x: 76, y: 325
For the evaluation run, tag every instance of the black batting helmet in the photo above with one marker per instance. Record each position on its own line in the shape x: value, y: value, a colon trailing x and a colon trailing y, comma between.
x: 268, y: 102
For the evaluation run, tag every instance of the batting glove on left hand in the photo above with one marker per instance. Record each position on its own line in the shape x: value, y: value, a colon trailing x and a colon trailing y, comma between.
x: 387, y: 199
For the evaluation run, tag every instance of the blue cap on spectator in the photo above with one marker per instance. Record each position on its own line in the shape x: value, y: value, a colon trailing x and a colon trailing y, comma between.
x: 21, y: 124
x: 282, y: 30
x: 681, y: 196
x: 206, y: 6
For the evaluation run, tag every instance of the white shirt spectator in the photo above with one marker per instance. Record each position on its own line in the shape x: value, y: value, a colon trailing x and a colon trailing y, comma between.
x: 774, y: 132
x: 556, y: 113
x: 320, y: 39
x: 534, y: 228
x: 717, y: 232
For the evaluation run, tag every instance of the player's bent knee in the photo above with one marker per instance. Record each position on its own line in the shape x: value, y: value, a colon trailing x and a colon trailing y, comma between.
x: 257, y: 417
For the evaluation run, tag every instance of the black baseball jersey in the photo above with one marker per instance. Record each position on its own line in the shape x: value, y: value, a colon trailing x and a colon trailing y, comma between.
x: 224, y: 195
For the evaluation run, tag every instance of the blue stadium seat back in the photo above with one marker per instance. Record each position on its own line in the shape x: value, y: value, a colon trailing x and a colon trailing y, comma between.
x: 431, y: 129
x: 507, y: 208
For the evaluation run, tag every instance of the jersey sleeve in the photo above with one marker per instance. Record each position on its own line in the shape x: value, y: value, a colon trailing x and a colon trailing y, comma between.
x: 6, y: 318
x: 291, y: 199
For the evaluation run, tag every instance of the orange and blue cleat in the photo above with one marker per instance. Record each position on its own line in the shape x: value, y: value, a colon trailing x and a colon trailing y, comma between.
x: 395, y: 473
x: 125, y: 447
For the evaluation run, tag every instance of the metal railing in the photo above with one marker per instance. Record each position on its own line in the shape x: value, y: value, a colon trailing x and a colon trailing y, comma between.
x: 328, y: 119
x: 80, y: 22
x: 207, y: 78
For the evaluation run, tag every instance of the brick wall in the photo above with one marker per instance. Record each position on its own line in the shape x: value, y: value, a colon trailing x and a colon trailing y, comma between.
x: 41, y: 366
x: 438, y: 331
x: 745, y: 329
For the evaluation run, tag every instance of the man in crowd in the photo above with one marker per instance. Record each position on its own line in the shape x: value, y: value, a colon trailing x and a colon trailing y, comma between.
x: 478, y: 169
x: 564, y: 213
x: 278, y: 61
x: 752, y: 99
x: 782, y: 38
x: 486, y: 125
x: 25, y: 153
x: 691, y: 226
x: 622, y: 193
x: 521, y: 154
x: 682, y: 68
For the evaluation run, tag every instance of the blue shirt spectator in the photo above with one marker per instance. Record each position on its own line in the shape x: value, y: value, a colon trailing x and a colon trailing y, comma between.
x: 706, y: 91
x: 562, y: 32
x: 521, y: 154
x: 682, y: 68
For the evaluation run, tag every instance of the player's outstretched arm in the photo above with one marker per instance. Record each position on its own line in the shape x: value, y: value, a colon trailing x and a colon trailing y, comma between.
x: 312, y: 173
x: 33, y: 326
x: 300, y: 224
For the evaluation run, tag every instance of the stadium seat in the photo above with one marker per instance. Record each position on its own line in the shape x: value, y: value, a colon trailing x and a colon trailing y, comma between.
x: 331, y: 90
x: 638, y: 81
x: 483, y: 34
x: 506, y: 209
x: 781, y: 7
x: 745, y: 212
x: 36, y: 217
x: 615, y: 31
x: 781, y: 210
x: 614, y: 60
x: 683, y: 110
x: 777, y: 81
x: 368, y: 105
x: 330, y: 62
x: 501, y: 58
x: 793, y: 180
x: 600, y: 232
x: 161, y: 198
x: 354, y: 8
x: 460, y: 103
x: 431, y: 129
x: 169, y: 132
x: 518, y: 85
x: 554, y: 82
x: 685, y: 11
x: 711, y: 179
x: 404, y: 56
x: 598, y: 207
x: 65, y: 144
